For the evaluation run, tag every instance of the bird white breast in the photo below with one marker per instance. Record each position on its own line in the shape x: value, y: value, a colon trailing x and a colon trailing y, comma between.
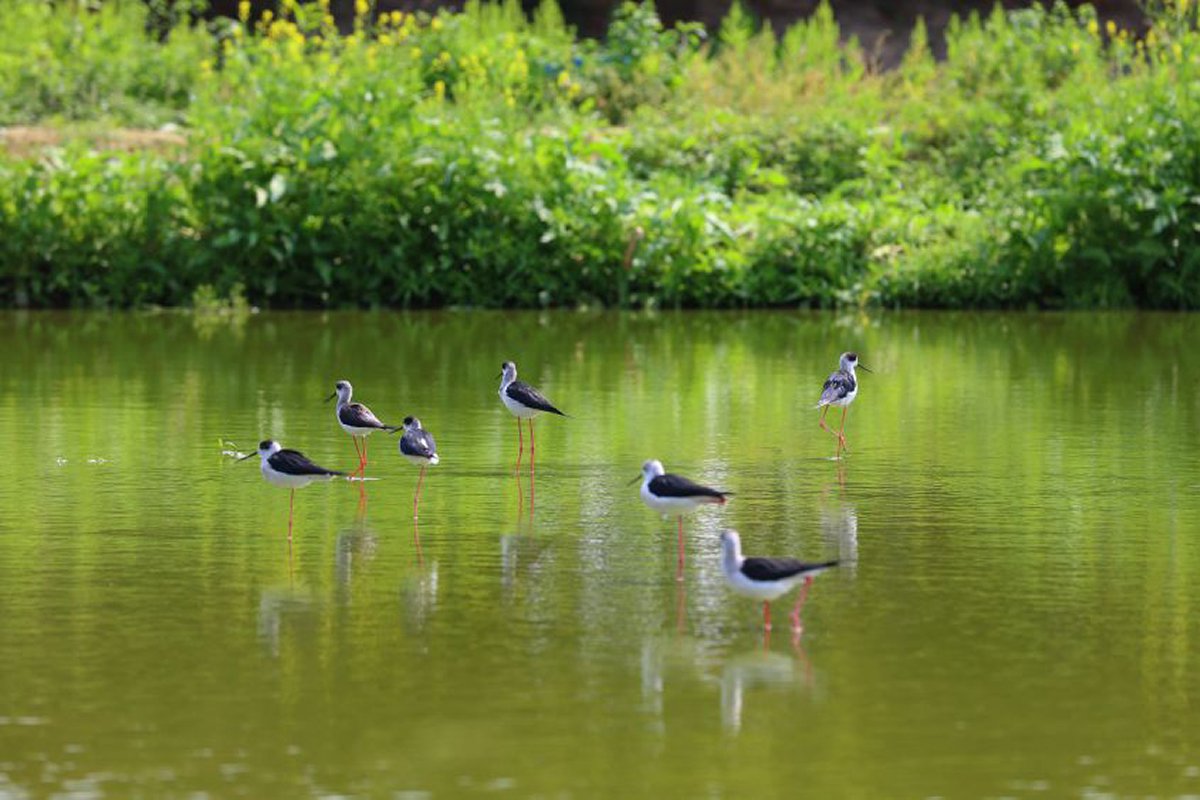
x: 276, y: 478
x: 849, y: 398
x: 353, y: 431
x: 517, y: 409
x: 421, y: 461
x: 761, y: 590
x: 669, y: 505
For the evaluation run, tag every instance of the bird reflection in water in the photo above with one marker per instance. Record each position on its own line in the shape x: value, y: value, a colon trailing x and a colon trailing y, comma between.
x: 277, y: 607
x: 763, y: 669
x: 355, y: 545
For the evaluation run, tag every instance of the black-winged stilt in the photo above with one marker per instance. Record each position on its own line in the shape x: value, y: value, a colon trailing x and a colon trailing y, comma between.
x: 767, y: 578
x: 418, y: 446
x: 356, y: 420
x: 675, y: 495
x: 523, y: 402
x: 291, y: 470
x: 840, y: 389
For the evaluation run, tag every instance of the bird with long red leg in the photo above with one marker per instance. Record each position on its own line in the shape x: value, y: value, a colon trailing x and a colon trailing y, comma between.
x: 418, y: 447
x: 767, y: 578
x: 290, y: 469
x: 840, y: 389
x: 523, y: 402
x: 356, y: 420
x: 675, y: 495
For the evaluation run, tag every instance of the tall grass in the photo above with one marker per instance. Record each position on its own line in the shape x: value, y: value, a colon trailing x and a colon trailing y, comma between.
x: 485, y: 158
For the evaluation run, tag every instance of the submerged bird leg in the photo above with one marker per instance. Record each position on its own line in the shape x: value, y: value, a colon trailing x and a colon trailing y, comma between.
x: 679, y: 571
x: 766, y: 615
x: 800, y: 603
x: 417, y: 496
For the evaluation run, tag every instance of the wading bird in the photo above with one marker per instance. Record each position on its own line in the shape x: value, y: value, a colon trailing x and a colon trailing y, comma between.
x: 523, y: 402
x: 675, y: 495
x: 356, y: 420
x: 840, y: 389
x: 767, y: 578
x: 291, y: 470
x: 417, y: 446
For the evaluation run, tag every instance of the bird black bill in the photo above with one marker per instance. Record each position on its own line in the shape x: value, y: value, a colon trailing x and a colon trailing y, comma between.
x: 327, y: 399
x: 248, y: 455
x: 864, y: 366
x: 635, y: 480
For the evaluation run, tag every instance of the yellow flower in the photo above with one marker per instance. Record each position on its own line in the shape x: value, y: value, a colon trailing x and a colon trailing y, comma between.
x: 244, y: 10
x: 416, y: 52
x: 361, y: 7
x: 436, y: 23
x: 439, y: 89
x: 267, y: 16
x: 1183, y: 6
x: 564, y: 78
x: 1092, y: 27
x: 397, y: 17
x: 1111, y: 28
x: 1177, y: 49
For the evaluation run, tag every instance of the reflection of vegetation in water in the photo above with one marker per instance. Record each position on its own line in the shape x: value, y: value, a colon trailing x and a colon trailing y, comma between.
x: 483, y: 158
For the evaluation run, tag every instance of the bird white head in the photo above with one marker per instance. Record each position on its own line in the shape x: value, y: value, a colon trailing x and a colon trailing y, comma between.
x: 652, y: 469
x: 343, y: 391
x: 731, y: 547
x: 849, y: 362
x: 268, y: 448
x: 508, y: 373
x: 411, y: 424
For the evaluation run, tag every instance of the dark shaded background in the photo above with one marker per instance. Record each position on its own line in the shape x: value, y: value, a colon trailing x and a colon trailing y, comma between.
x: 883, y: 26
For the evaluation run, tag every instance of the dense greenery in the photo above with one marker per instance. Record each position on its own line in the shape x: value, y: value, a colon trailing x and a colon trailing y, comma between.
x: 485, y: 159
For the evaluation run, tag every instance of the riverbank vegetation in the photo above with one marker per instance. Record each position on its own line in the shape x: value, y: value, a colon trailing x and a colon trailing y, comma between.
x: 483, y: 158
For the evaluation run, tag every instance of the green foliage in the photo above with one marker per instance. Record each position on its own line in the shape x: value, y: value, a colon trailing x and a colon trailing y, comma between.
x: 485, y: 158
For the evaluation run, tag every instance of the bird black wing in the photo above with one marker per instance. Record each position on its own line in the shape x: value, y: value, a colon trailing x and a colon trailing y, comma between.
x: 356, y: 415
x: 418, y: 443
x: 679, y: 486
x: 776, y: 569
x: 293, y: 462
x: 838, y: 385
x: 528, y: 396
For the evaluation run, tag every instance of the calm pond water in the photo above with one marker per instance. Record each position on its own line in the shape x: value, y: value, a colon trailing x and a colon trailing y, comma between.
x: 1019, y: 613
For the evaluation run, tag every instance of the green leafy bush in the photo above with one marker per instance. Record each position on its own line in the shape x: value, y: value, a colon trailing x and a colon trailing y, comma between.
x: 485, y: 158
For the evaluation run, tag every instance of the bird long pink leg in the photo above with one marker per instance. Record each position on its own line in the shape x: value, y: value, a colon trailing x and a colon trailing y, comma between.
x: 363, y: 470
x: 532, y: 461
x: 358, y: 453
x: 520, y: 444
x: 766, y: 615
x: 842, y: 432
x: 800, y: 602
x: 291, y: 513
x: 681, y: 558
x: 821, y: 422
x: 417, y: 497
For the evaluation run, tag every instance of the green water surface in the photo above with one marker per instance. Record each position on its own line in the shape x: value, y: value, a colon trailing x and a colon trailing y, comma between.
x: 1018, y: 613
